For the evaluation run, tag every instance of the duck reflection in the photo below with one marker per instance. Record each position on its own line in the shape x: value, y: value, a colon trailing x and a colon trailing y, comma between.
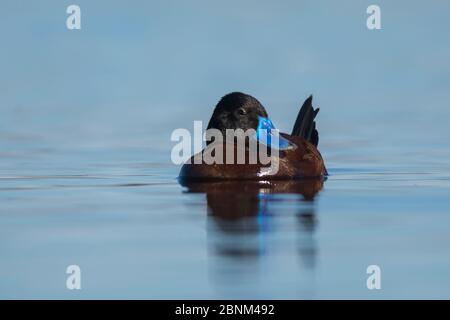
x: 243, y: 214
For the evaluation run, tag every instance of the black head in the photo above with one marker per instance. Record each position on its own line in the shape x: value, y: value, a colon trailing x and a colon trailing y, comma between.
x: 237, y: 110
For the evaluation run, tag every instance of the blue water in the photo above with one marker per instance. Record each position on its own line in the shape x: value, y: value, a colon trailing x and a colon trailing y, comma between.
x: 86, y: 176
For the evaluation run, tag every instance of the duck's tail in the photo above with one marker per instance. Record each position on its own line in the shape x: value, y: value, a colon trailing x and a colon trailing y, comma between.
x: 305, y: 126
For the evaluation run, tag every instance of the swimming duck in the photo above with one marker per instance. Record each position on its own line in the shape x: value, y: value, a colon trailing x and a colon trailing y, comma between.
x: 297, y: 156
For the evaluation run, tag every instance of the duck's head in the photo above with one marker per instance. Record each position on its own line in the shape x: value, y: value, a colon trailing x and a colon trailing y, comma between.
x: 237, y: 110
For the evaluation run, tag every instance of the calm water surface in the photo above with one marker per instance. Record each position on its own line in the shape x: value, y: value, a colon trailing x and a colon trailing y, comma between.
x: 136, y: 233
x: 86, y: 176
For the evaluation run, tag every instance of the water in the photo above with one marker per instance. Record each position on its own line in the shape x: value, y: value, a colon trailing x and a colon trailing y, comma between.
x: 86, y: 176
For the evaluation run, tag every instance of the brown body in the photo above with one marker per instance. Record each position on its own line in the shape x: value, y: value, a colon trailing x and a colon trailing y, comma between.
x: 303, y: 161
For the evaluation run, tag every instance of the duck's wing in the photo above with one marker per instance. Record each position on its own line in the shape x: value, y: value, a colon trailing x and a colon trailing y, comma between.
x: 305, y: 126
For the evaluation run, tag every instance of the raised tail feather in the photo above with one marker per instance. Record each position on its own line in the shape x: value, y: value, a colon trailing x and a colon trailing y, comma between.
x: 305, y: 126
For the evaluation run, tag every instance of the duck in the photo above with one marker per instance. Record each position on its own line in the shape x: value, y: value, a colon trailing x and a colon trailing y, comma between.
x: 293, y: 156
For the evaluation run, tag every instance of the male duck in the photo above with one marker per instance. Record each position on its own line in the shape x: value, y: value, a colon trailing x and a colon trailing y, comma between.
x: 297, y: 155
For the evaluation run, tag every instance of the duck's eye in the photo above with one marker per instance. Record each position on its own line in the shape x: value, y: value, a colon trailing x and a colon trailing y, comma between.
x: 242, y: 111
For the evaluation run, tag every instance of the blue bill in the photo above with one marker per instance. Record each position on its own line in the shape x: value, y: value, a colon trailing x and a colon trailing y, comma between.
x: 267, y: 134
